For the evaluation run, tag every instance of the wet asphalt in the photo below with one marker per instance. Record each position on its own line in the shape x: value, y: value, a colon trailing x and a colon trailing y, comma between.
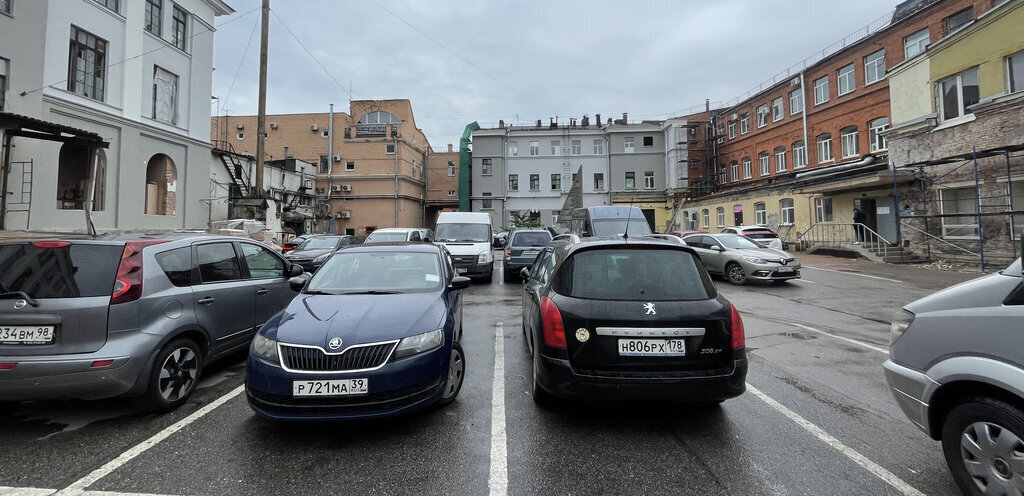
x: 832, y: 387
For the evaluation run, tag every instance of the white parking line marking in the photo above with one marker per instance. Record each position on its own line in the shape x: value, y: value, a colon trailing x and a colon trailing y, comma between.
x: 852, y: 274
x: 34, y: 491
x: 848, y: 340
x: 827, y: 438
x: 501, y: 277
x: 803, y: 280
x: 498, y: 481
x: 78, y: 486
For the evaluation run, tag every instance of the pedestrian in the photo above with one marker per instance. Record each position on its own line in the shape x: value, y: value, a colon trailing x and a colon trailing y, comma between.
x: 858, y: 224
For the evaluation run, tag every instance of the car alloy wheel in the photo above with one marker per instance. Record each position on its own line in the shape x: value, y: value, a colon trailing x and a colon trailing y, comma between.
x: 982, y: 442
x: 734, y: 272
x: 456, y: 375
x: 175, y: 375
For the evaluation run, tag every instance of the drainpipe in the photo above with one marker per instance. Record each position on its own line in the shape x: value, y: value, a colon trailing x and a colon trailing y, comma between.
x: 396, y: 174
x: 330, y: 166
x: 803, y: 115
x: 5, y: 164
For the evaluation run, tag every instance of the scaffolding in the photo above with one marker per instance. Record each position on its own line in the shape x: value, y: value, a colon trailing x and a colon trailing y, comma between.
x: 1004, y: 205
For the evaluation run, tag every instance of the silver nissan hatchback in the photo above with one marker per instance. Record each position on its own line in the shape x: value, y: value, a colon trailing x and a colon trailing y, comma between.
x: 141, y: 317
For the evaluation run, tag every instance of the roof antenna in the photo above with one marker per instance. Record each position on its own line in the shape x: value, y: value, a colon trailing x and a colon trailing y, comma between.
x: 629, y: 213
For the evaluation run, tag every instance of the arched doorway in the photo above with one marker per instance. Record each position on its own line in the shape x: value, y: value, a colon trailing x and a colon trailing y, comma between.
x: 72, y: 176
x: 161, y: 184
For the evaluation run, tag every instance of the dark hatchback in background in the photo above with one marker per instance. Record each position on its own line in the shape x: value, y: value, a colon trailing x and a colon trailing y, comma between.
x: 627, y: 320
x: 522, y: 249
x: 315, y: 250
x: 291, y: 244
x: 100, y: 318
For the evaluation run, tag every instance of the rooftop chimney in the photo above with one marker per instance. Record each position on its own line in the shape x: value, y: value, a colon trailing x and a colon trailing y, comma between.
x: 609, y: 121
x: 501, y: 123
x: 286, y: 152
x: 586, y: 122
x: 538, y: 123
x: 449, y: 148
x: 624, y: 118
x: 597, y: 119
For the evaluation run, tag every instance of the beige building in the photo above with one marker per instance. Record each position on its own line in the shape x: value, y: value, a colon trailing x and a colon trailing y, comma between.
x: 442, y: 183
x: 371, y: 162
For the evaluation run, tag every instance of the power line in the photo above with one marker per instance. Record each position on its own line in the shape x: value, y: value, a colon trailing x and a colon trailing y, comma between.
x: 310, y: 54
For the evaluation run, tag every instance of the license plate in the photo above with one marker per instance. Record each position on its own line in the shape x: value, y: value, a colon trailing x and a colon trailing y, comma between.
x: 461, y: 270
x: 26, y: 334
x: 652, y: 347
x: 785, y: 269
x: 530, y: 252
x: 338, y: 387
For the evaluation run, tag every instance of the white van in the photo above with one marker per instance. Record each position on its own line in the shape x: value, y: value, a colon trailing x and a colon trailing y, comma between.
x: 467, y: 235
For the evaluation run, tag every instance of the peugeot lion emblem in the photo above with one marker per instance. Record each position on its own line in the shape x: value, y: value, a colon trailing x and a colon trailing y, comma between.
x: 650, y: 309
x: 18, y: 305
x: 334, y: 343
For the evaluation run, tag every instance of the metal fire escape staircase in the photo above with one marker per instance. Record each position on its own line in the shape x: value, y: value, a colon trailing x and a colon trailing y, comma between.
x: 241, y: 183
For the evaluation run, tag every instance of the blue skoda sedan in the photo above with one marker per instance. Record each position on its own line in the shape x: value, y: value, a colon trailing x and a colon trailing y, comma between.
x: 374, y: 333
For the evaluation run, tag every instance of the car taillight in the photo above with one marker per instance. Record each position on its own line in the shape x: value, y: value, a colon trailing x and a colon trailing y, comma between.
x: 739, y: 337
x: 128, y: 283
x: 508, y: 251
x: 551, y: 321
x: 51, y: 244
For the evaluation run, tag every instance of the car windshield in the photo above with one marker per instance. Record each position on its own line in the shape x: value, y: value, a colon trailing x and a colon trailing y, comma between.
x: 378, y: 271
x: 377, y: 236
x: 531, y: 239
x: 617, y: 227
x: 467, y: 233
x: 737, y: 242
x: 70, y: 271
x: 633, y: 274
x: 318, y: 243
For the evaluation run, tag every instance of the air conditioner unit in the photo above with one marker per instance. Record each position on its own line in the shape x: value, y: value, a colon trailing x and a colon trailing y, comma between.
x: 314, y: 127
x: 273, y: 125
x: 346, y: 187
x: 239, y: 126
x: 346, y: 214
x: 794, y: 82
x: 335, y: 187
x: 337, y: 158
x: 734, y: 117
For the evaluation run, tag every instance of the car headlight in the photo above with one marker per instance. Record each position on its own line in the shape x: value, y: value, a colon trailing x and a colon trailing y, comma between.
x: 264, y: 348
x: 900, y: 322
x: 322, y: 258
x: 419, y: 343
x: 482, y: 257
x: 754, y: 260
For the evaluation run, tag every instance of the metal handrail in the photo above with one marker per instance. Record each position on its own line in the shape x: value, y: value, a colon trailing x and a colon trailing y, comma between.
x: 933, y: 237
x: 844, y: 234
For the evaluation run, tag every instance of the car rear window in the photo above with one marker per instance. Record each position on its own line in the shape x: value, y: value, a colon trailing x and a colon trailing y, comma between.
x: 531, y: 239
x: 74, y: 270
x: 319, y: 243
x: 759, y: 233
x: 386, y: 236
x: 633, y: 274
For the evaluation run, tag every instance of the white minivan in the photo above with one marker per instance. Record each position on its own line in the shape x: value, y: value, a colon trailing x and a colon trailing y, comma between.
x: 467, y: 235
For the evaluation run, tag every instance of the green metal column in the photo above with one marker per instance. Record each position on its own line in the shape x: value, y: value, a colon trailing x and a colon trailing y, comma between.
x: 464, y: 203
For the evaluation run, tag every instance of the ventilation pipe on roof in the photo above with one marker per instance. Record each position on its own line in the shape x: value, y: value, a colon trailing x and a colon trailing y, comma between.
x: 864, y: 161
x: 598, y: 119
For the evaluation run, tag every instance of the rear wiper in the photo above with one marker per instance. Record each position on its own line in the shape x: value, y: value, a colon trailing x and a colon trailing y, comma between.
x: 21, y: 294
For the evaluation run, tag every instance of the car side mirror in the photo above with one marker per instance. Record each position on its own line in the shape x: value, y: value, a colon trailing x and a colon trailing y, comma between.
x: 524, y: 273
x: 298, y: 282
x: 717, y: 248
x: 295, y: 270
x: 460, y: 282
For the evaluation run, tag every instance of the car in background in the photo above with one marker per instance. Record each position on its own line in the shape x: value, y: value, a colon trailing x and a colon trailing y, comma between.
x: 315, y: 250
x: 956, y: 369
x: 740, y: 260
x: 291, y: 244
x: 427, y: 235
x: 374, y: 333
x: 629, y: 320
x: 468, y: 237
x: 500, y: 239
x: 684, y: 233
x: 522, y: 249
x: 603, y: 221
x: 672, y: 238
x: 760, y: 234
x: 395, y: 234
x: 131, y: 316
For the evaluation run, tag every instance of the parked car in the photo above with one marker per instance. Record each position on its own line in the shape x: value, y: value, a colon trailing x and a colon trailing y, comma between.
x: 500, y: 239
x: 467, y: 236
x: 629, y: 320
x: 291, y: 244
x: 139, y: 316
x: 685, y: 233
x: 956, y: 369
x: 375, y: 333
x: 740, y: 260
x: 313, y: 252
x: 427, y: 235
x: 395, y: 234
x: 760, y: 234
x: 672, y: 238
x: 603, y: 221
x: 522, y: 249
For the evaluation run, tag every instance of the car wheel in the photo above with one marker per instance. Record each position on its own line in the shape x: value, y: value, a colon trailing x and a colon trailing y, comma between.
x: 456, y: 375
x: 174, y: 376
x: 734, y: 273
x: 982, y: 442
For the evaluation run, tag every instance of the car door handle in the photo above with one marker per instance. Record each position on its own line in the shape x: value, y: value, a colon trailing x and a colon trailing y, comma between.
x: 206, y: 301
x: 261, y: 291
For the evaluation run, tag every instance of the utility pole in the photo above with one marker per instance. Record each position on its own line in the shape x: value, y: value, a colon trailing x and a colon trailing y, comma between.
x: 261, y: 120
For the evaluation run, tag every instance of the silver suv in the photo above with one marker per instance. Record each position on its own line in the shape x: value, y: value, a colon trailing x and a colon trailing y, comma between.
x: 137, y: 317
x: 956, y: 368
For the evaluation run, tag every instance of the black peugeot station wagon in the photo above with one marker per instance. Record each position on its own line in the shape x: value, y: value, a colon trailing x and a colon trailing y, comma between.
x: 630, y: 320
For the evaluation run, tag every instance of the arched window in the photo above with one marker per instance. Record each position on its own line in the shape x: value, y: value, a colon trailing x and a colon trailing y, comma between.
x: 707, y: 218
x: 376, y: 124
x: 875, y: 127
x: 748, y: 169
x: 824, y: 147
x: 759, y: 213
x: 721, y: 216
x: 161, y: 184
x: 780, y: 159
x: 72, y: 176
x: 734, y: 167
x: 799, y: 154
x: 766, y: 168
x: 787, y: 211
x: 849, y: 139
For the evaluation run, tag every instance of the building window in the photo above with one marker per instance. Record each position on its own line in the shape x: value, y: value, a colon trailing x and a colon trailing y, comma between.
x: 389, y: 148
x: 706, y: 218
x: 824, y: 147
x: 821, y: 90
x: 734, y: 168
x: 648, y: 141
x: 5, y: 6
x: 1017, y: 197
x: 762, y: 116
x: 513, y: 148
x: 556, y: 147
x: 350, y: 166
x: 4, y: 65
x: 780, y: 159
x: 180, y: 24
x: 627, y: 144
x: 959, y: 201
x: 958, y: 92
x: 720, y: 213
x: 732, y: 130
x: 451, y: 192
x: 765, y: 163
x: 240, y: 136
x: 759, y: 214
x: 1014, y: 71
x: 598, y: 181
x: 722, y: 173
x: 748, y: 168
x: 649, y: 180
x: 823, y: 210
x: 556, y: 181
x: 485, y: 167
x: 513, y: 182
x: 486, y: 202
x: 848, y: 137
x: 325, y: 164
x: 599, y: 147
x: 720, y: 134
x: 845, y: 80
x: 111, y: 5
x: 534, y: 182
x: 153, y: 15
x: 875, y: 129
x: 534, y: 148
x: 787, y: 210
x: 874, y: 67
x: 86, y: 74
x: 915, y: 43
x: 955, y: 21
x: 799, y: 154
x: 630, y: 180
x: 777, y: 111
x: 796, y: 102
x: 451, y: 169
x: 744, y: 123
x: 165, y: 96
x: 577, y: 147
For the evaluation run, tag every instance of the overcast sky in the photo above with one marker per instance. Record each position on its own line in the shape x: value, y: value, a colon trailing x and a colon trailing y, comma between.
x: 459, y: 62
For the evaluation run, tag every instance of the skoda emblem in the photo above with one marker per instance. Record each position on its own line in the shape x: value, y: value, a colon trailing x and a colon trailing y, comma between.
x: 18, y: 305
x: 334, y: 343
x: 582, y: 335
